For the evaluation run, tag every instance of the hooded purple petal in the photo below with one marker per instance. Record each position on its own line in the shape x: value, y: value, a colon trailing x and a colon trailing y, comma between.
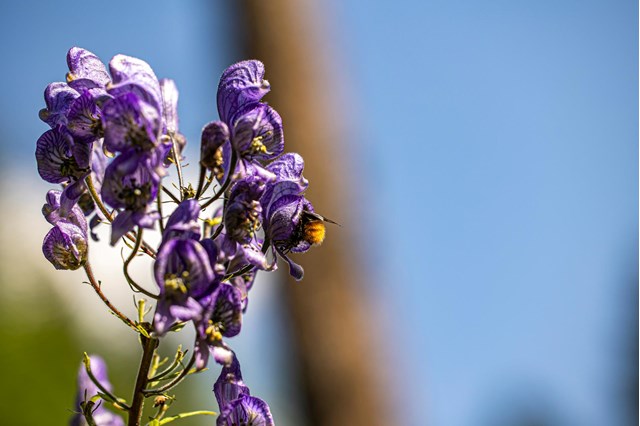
x: 241, y: 84
x: 58, y: 97
x: 85, y: 65
x: 289, y: 180
x: 55, y: 157
x: 229, y: 385
x: 183, y: 222
x: 133, y: 75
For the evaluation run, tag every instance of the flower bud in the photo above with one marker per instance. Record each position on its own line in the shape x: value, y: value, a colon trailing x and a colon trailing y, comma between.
x: 65, y: 246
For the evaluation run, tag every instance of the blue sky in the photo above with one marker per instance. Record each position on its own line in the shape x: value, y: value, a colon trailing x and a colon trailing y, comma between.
x: 500, y: 141
x: 506, y: 174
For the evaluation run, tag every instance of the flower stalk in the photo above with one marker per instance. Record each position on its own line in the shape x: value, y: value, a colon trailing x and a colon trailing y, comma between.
x: 149, y: 345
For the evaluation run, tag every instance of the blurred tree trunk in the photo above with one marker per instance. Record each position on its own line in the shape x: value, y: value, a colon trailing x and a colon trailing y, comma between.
x: 328, y: 317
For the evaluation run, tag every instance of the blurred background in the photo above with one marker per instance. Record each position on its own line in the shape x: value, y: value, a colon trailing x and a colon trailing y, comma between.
x: 481, y: 157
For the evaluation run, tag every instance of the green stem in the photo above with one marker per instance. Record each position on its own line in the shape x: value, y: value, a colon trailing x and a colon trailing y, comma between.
x: 203, y: 172
x: 209, y: 180
x: 114, y: 399
x: 177, y: 360
x: 170, y: 194
x: 159, y: 203
x: 134, y: 252
x: 96, y: 287
x: 148, y: 347
x: 174, y: 382
x: 184, y: 415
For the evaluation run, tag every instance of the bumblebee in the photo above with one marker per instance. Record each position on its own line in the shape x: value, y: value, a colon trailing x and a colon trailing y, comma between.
x: 311, y: 228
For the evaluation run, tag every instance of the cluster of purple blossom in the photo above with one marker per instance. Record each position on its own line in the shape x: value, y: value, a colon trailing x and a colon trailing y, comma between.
x: 113, y: 136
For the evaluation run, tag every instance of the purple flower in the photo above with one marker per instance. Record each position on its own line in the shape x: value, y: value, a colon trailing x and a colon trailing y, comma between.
x: 246, y: 410
x: 87, y: 79
x: 229, y: 385
x: 251, y: 128
x: 244, y: 282
x: 183, y: 222
x: 133, y: 75
x: 83, y: 118
x: 242, y: 219
x: 54, y: 212
x: 241, y: 85
x: 290, y: 222
x: 131, y: 183
x: 66, y: 246
x: 243, y: 212
x: 184, y: 275
x: 215, y: 148
x: 59, y: 159
x: 257, y: 133
x: 222, y: 316
x: 87, y: 390
x: 237, y: 406
x: 130, y: 123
